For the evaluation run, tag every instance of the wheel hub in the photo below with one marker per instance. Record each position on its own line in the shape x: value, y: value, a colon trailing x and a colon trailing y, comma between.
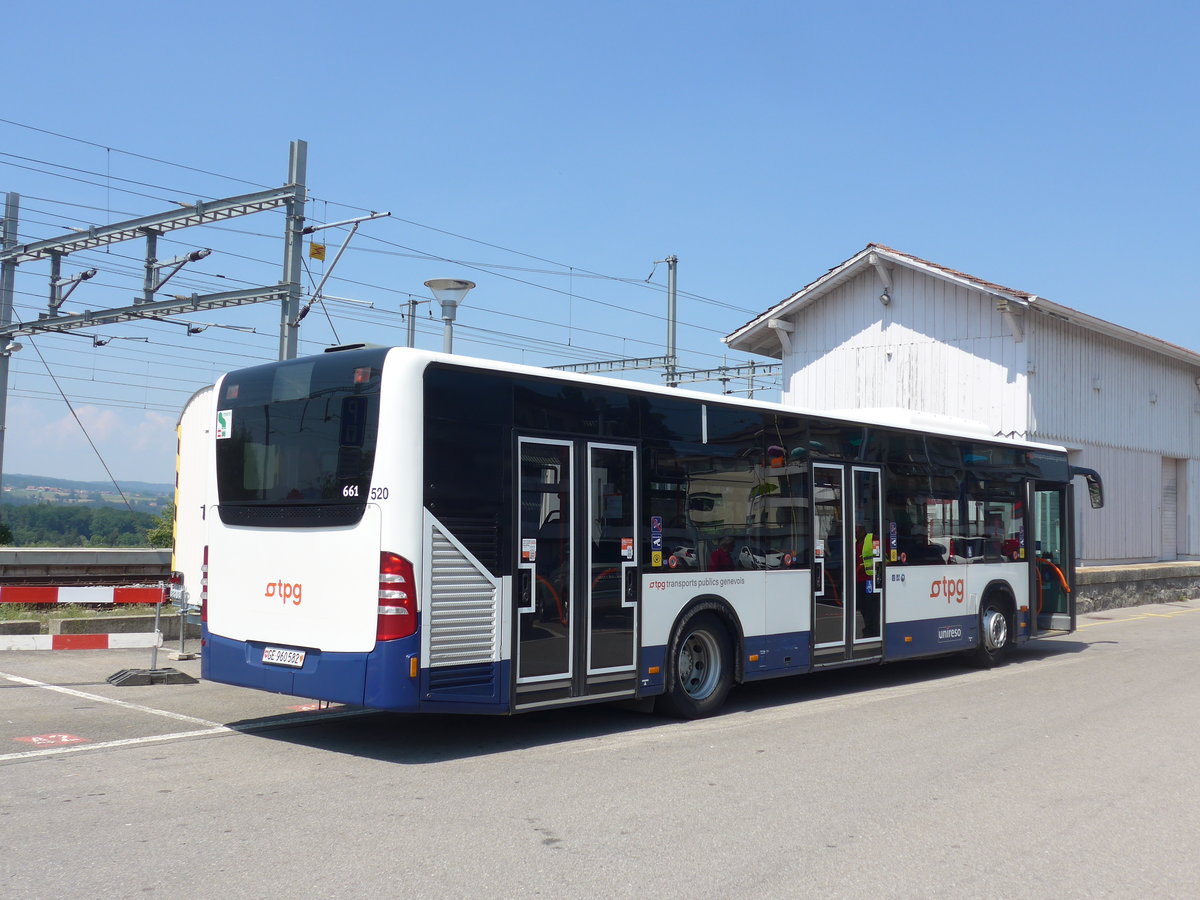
x: 698, y: 673
x: 995, y: 629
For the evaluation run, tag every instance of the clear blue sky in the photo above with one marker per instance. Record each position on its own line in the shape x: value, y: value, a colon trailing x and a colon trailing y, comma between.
x: 1048, y: 147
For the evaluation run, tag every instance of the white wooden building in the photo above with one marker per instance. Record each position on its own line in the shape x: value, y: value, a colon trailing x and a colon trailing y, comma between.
x: 885, y: 329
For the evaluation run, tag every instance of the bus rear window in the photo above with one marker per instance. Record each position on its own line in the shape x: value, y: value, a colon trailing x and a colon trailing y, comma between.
x: 295, y: 441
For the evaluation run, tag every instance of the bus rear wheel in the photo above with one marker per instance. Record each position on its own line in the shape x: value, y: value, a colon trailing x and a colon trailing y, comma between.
x: 995, y: 632
x: 699, y: 668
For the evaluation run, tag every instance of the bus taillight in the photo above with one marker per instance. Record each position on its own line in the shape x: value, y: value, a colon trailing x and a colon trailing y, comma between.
x: 397, y: 598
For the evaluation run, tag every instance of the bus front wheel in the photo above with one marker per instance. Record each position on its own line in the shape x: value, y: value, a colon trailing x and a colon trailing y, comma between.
x: 995, y: 632
x: 700, y: 668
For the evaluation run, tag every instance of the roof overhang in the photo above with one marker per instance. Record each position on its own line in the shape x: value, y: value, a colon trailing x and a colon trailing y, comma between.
x: 761, y: 335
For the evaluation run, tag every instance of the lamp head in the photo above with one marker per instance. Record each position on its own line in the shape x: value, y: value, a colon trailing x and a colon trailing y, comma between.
x: 449, y: 292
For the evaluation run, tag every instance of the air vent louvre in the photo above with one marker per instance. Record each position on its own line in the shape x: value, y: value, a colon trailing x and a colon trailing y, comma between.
x: 463, y: 606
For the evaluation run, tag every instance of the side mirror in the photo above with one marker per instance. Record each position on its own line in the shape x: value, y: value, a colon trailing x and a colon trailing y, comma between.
x: 1094, y: 485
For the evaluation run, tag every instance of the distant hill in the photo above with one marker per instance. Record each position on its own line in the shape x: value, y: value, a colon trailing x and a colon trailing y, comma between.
x: 24, y: 490
x: 143, y: 487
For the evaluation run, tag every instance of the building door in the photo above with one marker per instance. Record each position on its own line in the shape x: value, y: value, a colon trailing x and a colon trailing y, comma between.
x: 576, y: 596
x: 848, y: 596
x: 1170, y: 509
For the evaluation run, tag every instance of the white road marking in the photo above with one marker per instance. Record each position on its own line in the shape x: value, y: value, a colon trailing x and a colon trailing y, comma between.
x: 105, y: 745
x: 212, y: 728
x: 29, y: 682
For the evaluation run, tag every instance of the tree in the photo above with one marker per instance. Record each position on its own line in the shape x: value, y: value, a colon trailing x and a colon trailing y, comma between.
x: 162, y: 532
x: 61, y: 525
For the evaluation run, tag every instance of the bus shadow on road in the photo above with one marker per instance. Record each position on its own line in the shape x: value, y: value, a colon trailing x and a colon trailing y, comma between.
x: 843, y: 682
x: 422, y: 739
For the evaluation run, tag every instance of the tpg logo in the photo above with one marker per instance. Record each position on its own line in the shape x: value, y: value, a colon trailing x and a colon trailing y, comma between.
x: 284, y: 591
x: 950, y: 588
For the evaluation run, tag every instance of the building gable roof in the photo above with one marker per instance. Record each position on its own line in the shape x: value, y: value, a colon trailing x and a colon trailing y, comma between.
x: 757, y: 335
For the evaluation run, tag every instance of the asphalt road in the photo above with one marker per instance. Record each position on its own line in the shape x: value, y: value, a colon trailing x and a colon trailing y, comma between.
x: 1068, y: 772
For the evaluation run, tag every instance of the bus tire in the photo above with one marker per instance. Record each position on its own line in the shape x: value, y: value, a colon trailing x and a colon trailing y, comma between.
x: 995, y: 631
x: 699, y: 668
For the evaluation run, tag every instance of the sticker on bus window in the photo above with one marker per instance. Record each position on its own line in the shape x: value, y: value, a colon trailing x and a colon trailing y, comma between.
x: 656, y: 558
x: 528, y: 549
x: 820, y: 549
x: 224, y: 424
x: 627, y: 548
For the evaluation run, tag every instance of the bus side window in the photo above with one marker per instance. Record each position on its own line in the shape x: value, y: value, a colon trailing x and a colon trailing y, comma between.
x: 911, y: 520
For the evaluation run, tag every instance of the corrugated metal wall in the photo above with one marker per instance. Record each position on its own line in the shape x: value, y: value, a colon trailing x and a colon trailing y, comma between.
x: 1129, y: 411
x: 1129, y: 528
x: 1095, y: 389
x: 945, y: 348
x: 936, y: 347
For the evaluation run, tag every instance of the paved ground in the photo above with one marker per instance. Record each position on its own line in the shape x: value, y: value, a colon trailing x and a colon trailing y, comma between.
x: 64, y: 693
x: 1067, y: 772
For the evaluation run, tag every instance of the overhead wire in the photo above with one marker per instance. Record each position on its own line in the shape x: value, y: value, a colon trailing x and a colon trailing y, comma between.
x: 83, y: 428
x: 54, y: 397
x: 164, y: 162
x: 488, y: 268
x: 357, y: 208
x: 497, y: 269
x: 485, y: 266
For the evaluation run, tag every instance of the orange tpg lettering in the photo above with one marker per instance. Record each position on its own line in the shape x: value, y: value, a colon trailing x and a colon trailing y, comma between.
x: 285, y: 591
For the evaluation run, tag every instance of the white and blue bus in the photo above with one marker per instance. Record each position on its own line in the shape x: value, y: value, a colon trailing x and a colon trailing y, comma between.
x: 414, y: 531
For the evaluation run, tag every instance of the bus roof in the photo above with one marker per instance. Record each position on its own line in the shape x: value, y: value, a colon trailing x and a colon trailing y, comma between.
x: 903, y: 419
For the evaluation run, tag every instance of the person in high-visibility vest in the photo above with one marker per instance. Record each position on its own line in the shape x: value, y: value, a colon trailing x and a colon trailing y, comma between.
x: 867, y: 595
x: 867, y: 552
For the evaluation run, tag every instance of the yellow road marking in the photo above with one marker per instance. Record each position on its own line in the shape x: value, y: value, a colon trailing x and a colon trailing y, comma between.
x: 1148, y: 615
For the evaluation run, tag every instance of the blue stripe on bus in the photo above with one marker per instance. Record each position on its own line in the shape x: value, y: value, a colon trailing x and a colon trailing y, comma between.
x: 929, y: 636
x: 475, y: 687
x: 650, y: 684
x: 379, y: 679
x: 778, y: 654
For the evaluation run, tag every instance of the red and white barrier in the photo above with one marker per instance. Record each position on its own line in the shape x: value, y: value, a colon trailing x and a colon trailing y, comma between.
x: 80, y: 641
x: 33, y: 594
x: 97, y: 595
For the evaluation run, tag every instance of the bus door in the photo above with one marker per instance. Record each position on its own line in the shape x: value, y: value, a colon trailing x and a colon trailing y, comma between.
x: 1052, y: 593
x: 576, y: 571
x: 847, y: 611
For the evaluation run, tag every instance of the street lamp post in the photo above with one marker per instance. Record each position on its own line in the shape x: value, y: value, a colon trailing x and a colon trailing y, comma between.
x: 449, y: 292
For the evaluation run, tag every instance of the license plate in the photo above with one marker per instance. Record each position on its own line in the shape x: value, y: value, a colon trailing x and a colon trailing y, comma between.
x: 278, y: 656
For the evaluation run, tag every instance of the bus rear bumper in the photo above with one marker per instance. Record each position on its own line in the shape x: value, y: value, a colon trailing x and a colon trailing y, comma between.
x: 379, y: 679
